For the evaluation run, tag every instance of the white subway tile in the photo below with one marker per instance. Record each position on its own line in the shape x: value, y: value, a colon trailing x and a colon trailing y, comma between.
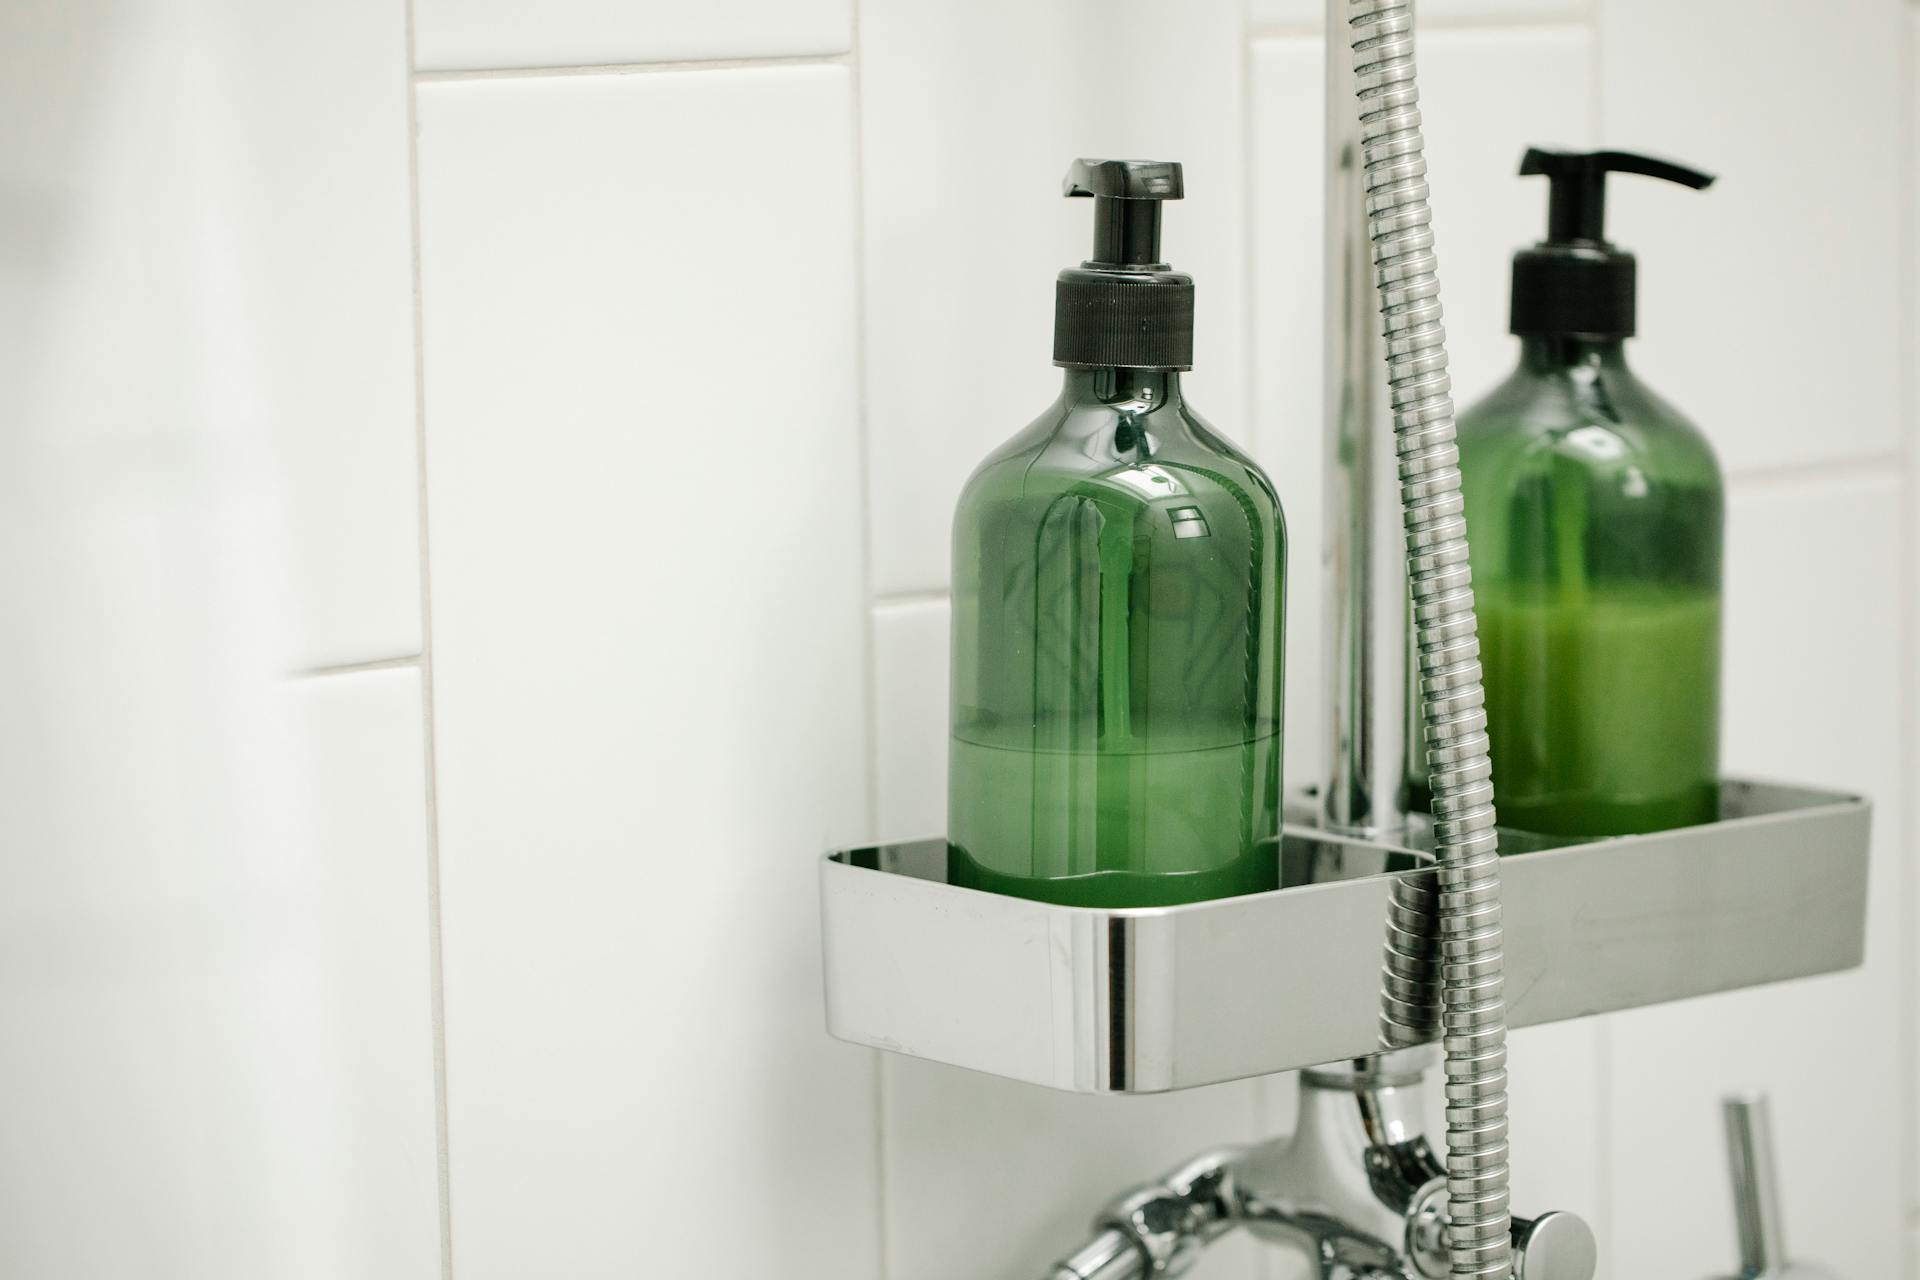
x: 910, y: 644
x: 987, y: 1177
x: 213, y: 970
x: 207, y: 235
x: 1470, y: 83
x: 1289, y: 148
x: 1814, y: 662
x: 359, y: 741
x: 649, y: 667
x: 468, y: 34
x: 327, y: 131
x: 1558, y: 1126
x: 970, y: 115
x: 1482, y: 213
x: 1770, y: 306
x: 216, y: 976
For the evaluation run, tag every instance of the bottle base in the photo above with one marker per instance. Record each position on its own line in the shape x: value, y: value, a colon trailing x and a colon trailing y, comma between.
x: 1255, y: 872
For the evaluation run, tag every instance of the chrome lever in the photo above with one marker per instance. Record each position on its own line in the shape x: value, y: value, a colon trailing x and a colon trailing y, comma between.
x: 1756, y: 1193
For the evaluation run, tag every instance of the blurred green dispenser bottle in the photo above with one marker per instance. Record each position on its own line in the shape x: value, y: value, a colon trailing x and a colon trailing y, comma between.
x: 1594, y: 510
x: 1118, y: 588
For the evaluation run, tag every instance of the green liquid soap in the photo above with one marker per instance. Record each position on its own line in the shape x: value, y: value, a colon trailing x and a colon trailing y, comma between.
x: 1604, y: 711
x: 1112, y: 830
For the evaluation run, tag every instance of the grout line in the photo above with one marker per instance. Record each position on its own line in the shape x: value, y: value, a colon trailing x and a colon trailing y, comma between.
x: 904, y: 599
x: 1874, y: 466
x: 633, y: 68
x: 354, y: 668
x: 436, y: 961
x: 1574, y: 20
x: 863, y: 434
x: 1603, y: 1227
x: 1251, y: 356
x: 1909, y: 905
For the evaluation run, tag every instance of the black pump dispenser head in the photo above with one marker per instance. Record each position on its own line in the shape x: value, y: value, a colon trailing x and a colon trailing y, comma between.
x: 1574, y: 283
x: 1123, y: 307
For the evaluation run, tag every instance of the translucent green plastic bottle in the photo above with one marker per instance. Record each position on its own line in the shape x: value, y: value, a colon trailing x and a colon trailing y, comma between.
x: 1594, y: 511
x: 1118, y: 587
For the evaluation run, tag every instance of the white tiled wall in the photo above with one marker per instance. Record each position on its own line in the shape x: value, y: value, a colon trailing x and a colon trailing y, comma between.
x: 628, y: 358
x: 643, y: 435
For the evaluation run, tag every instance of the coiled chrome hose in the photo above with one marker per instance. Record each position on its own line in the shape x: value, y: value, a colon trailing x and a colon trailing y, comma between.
x: 1473, y: 1010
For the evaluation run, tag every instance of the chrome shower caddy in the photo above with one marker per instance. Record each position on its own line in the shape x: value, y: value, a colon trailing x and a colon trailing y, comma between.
x: 1151, y: 999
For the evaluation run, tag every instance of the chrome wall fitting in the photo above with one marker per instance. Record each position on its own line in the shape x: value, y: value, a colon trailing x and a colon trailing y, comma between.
x: 1356, y: 1188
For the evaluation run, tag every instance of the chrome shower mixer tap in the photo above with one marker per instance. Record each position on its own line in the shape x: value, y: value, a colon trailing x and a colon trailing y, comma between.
x: 1356, y: 1188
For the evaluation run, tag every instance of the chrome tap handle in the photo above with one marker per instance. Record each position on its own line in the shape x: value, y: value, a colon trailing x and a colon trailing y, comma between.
x: 1554, y: 1246
x: 1756, y: 1190
x: 1756, y: 1194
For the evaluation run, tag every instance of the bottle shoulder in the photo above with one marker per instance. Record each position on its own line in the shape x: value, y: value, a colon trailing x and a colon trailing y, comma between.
x: 1597, y: 419
x: 1121, y: 460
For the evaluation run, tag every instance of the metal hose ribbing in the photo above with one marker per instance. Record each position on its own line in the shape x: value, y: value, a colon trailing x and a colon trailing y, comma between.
x: 1410, y: 979
x: 1473, y: 1011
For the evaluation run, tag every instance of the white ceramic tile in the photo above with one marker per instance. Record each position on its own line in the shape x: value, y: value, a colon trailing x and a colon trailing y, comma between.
x: 1814, y: 664
x: 1558, y: 1128
x: 326, y: 134
x: 209, y: 1039
x: 1307, y: 15
x: 1482, y: 209
x: 649, y: 667
x: 359, y: 751
x: 462, y: 34
x: 215, y: 961
x: 966, y: 228
x: 1288, y: 122
x: 1482, y: 213
x: 202, y: 230
x: 910, y: 646
x: 1769, y: 304
x: 965, y: 1149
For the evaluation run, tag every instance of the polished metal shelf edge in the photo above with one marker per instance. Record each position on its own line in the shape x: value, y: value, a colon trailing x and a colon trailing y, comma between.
x: 1147, y: 1000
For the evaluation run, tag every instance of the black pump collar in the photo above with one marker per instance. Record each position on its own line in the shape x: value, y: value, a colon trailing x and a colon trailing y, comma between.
x: 1574, y: 283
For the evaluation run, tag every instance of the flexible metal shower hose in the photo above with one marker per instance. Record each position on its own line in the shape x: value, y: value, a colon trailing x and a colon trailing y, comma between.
x: 1473, y: 1011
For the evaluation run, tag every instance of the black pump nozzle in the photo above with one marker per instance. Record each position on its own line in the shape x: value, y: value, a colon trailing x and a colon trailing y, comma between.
x: 1126, y: 206
x: 1123, y: 307
x: 1574, y: 283
x: 1577, y: 203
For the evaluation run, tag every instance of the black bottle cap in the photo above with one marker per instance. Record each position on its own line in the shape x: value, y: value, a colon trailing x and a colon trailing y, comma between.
x: 1574, y: 283
x: 1123, y: 307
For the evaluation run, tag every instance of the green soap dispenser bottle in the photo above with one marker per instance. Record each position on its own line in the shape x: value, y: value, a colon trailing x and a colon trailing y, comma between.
x: 1118, y: 588
x: 1594, y: 511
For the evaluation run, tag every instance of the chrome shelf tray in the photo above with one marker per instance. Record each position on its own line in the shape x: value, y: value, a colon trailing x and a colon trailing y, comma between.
x: 1148, y: 1000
